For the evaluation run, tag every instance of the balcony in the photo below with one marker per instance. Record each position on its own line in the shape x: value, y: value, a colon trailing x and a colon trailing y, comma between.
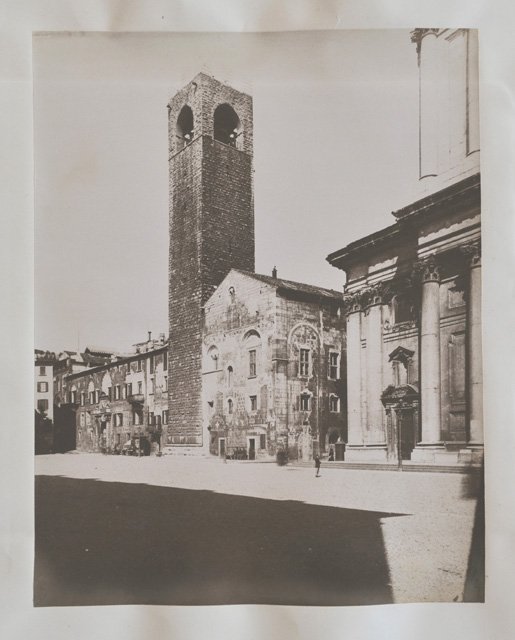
x: 136, y: 398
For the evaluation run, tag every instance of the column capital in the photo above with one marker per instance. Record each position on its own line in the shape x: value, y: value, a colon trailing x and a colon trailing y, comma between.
x: 353, y: 302
x: 417, y: 35
x: 472, y: 253
x: 427, y: 270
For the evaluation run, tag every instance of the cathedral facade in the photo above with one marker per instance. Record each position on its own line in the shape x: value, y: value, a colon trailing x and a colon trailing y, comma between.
x: 413, y: 290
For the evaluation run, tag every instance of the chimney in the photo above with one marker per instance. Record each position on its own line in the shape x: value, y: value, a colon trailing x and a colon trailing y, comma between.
x: 274, y: 272
x: 149, y: 336
x: 162, y: 338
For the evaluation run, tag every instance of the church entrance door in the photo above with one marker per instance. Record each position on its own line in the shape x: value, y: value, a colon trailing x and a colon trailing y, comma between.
x: 406, y: 425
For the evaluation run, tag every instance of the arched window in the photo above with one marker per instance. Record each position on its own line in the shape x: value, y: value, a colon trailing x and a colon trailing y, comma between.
x: 213, y: 358
x: 230, y: 406
x: 227, y: 126
x: 184, y: 127
x: 229, y: 376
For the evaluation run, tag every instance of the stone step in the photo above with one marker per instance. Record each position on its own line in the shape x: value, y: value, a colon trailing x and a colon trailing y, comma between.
x: 406, y: 466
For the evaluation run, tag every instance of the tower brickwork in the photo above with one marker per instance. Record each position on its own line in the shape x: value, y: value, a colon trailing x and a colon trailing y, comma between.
x: 211, y: 229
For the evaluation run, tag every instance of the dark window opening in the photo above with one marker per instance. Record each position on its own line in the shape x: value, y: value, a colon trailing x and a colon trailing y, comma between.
x: 227, y: 126
x: 184, y: 127
x: 305, y: 402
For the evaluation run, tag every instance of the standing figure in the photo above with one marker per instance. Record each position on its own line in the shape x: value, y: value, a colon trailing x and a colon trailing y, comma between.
x: 317, y: 465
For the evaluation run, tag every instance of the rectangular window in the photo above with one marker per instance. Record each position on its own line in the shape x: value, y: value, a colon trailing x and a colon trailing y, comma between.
x: 334, y: 404
x: 110, y: 393
x: 42, y: 371
x: 129, y: 389
x: 128, y: 368
x: 165, y: 416
x: 262, y: 441
x: 140, y: 387
x: 252, y: 363
x: 305, y: 402
x: 97, y: 396
x: 42, y: 387
x: 151, y: 364
x: 151, y: 418
x: 124, y: 391
x: 158, y: 420
x: 42, y: 406
x: 73, y: 397
x: 253, y: 403
x: 304, y: 362
x: 152, y: 385
x: 333, y: 365
x: 119, y: 419
x: 138, y: 365
x: 91, y: 397
x: 165, y: 360
x: 117, y: 392
x: 82, y: 399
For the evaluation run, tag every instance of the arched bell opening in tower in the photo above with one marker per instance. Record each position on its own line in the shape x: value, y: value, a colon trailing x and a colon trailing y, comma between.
x: 184, y: 127
x: 227, y: 125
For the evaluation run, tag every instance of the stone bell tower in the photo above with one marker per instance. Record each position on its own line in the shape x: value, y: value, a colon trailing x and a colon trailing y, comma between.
x: 211, y: 230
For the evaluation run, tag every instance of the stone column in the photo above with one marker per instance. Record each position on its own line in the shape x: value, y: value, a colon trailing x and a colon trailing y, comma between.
x: 430, y: 378
x: 475, y: 359
x: 374, y: 364
x: 355, y: 433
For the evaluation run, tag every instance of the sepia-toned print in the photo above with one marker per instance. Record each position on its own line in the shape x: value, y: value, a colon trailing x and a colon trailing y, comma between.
x: 258, y: 373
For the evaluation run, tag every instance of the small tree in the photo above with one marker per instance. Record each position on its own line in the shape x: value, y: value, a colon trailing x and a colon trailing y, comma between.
x: 43, y: 434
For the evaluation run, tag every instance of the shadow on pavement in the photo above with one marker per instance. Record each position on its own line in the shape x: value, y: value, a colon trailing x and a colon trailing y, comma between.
x: 475, y: 579
x: 119, y: 543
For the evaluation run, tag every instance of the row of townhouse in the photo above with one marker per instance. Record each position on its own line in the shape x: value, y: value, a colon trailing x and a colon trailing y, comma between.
x: 122, y: 401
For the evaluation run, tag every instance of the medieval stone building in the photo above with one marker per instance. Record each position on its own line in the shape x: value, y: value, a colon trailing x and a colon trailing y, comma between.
x: 273, y: 358
x: 413, y: 290
x: 228, y: 408
x: 211, y: 229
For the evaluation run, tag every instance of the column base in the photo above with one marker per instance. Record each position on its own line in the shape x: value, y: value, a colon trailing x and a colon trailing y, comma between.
x: 372, y: 453
x: 433, y: 454
x: 473, y: 454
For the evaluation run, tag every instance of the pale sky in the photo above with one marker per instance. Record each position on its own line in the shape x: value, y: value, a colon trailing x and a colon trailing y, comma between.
x: 335, y: 151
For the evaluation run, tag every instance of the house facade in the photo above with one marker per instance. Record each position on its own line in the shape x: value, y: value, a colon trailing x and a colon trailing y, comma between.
x: 123, y: 400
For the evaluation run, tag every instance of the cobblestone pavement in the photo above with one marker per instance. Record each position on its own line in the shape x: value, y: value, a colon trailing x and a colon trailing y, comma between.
x: 426, y: 524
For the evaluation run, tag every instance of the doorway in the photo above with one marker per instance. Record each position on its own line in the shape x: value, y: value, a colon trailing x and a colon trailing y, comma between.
x: 221, y: 447
x: 406, y: 428
x: 252, y: 448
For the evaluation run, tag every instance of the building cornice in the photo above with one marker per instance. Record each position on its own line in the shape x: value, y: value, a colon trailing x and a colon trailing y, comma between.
x: 458, y: 196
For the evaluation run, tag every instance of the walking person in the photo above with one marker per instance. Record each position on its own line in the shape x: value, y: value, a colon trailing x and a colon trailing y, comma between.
x: 317, y: 465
